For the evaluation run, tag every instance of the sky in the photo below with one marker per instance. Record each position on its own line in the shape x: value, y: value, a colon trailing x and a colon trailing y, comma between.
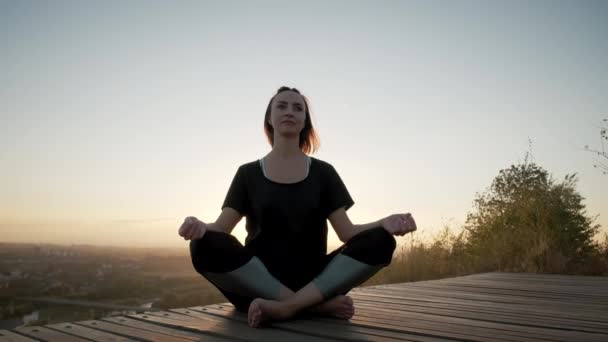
x: 120, y: 118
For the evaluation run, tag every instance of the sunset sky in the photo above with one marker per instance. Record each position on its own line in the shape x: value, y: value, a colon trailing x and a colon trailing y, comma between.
x: 120, y: 118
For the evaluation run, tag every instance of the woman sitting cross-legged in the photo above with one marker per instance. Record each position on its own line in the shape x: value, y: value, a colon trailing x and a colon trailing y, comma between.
x: 287, y: 198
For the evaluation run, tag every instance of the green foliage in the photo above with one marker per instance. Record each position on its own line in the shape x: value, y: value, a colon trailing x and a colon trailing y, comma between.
x: 527, y: 222
x: 524, y: 222
x: 603, y: 249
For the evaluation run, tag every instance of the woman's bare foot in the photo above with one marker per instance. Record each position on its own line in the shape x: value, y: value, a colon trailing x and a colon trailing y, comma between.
x: 339, y: 306
x: 262, y: 310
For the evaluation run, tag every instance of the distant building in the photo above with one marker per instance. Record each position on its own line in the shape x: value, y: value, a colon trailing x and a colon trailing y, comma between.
x: 59, y: 251
x: 34, y: 316
x: 58, y: 286
x: 131, y: 266
x: 16, y: 274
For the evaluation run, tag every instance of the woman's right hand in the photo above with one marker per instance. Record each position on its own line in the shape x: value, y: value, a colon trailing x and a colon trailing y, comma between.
x: 192, y: 228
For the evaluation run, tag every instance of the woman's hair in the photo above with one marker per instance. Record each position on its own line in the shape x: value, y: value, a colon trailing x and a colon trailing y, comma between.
x: 309, y: 140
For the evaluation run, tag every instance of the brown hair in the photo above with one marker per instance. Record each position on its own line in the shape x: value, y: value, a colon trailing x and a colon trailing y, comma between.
x: 309, y: 140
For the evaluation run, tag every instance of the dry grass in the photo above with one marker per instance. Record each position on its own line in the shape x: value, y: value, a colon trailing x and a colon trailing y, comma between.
x: 446, y: 255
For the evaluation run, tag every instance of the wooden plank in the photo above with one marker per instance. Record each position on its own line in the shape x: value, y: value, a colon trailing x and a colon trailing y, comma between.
x: 9, y: 336
x: 518, y: 278
x: 238, y: 330
x: 88, y: 333
x: 527, y: 295
x: 563, y: 311
x: 547, y: 291
x: 449, y: 331
x: 501, y: 329
x: 222, y: 327
x: 158, y: 328
x: 398, y: 320
x: 483, y: 308
x: 398, y: 316
x: 541, y: 276
x: 131, y: 332
x: 497, y: 318
x: 347, y: 333
x: 591, y: 292
x: 434, y: 302
x: 497, y: 299
x: 46, y: 334
x: 414, y: 329
x: 538, y: 279
x: 416, y: 309
x: 303, y: 334
x: 543, y: 280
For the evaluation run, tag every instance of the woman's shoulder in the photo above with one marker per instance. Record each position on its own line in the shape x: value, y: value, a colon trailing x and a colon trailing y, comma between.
x: 324, y: 164
x: 249, y: 166
x: 320, y: 162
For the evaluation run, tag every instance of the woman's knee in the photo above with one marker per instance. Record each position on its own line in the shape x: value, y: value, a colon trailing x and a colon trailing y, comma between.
x: 217, y: 252
x: 385, y: 239
x: 373, y: 246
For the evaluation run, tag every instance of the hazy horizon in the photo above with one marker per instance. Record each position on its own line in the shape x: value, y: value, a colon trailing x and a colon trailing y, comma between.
x: 120, y: 119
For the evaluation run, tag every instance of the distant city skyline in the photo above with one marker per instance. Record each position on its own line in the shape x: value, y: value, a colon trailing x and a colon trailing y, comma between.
x: 119, y: 119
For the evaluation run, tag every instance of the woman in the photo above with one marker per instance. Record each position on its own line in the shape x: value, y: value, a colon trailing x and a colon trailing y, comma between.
x: 287, y: 198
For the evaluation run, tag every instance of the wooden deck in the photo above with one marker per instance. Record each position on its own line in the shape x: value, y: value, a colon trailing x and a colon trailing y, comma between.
x: 481, y: 307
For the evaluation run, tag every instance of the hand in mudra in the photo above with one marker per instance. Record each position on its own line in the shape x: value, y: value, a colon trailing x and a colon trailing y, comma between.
x: 192, y: 228
x: 399, y: 224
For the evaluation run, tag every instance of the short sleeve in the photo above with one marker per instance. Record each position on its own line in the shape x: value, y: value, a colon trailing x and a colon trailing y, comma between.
x: 237, y: 197
x: 335, y: 194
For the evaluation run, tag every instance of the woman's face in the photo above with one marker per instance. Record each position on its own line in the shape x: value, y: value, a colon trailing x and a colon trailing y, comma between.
x: 288, y: 113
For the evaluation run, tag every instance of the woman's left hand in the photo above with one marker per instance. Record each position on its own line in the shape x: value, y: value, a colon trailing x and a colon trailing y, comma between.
x: 399, y: 224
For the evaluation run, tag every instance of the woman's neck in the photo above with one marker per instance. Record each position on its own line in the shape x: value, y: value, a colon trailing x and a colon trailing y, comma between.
x: 286, y: 148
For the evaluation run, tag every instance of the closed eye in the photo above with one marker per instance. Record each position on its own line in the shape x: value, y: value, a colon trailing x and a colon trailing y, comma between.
x: 296, y: 105
x: 299, y: 108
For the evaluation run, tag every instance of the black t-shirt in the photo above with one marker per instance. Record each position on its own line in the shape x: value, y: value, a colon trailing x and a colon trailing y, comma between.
x: 287, y: 223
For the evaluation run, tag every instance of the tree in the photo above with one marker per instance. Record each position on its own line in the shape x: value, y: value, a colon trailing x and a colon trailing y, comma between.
x: 603, y: 154
x: 527, y: 222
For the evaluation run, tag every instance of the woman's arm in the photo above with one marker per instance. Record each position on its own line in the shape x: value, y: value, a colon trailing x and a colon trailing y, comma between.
x: 344, y: 228
x: 397, y: 224
x: 193, y: 228
x: 226, y: 221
